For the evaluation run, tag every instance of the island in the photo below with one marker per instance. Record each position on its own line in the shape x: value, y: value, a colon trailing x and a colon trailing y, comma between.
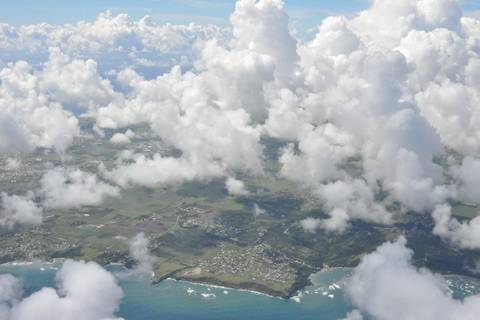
x: 198, y: 232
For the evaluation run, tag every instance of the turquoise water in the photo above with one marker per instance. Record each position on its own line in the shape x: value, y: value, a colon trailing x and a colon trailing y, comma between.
x: 180, y: 300
x: 177, y: 300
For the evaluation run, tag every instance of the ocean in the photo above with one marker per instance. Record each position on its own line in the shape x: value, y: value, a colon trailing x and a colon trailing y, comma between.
x: 179, y: 300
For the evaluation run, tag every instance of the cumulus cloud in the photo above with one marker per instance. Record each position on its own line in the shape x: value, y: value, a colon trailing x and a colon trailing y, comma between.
x: 358, y: 104
x: 29, y: 118
x: 210, y: 112
x: 386, y: 286
x: 75, y: 83
x: 263, y: 27
x: 12, y: 164
x: 368, y: 106
x: 122, y: 138
x: 463, y: 234
x: 85, y: 292
x: 139, y: 251
x: 72, y: 188
x: 311, y: 224
x: 179, y: 110
x: 347, y: 200
x: 258, y: 211
x: 138, y: 169
x: 370, y: 115
x: 46, y: 71
x: 236, y: 187
x: 321, y: 150
x: 19, y: 210
x: 10, y: 293
x: 468, y: 184
x: 114, y: 41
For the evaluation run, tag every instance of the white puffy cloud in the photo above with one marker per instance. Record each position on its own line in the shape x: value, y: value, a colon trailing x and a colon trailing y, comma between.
x: 386, y: 286
x: 85, y: 292
x: 357, y: 103
x: 396, y: 84
x: 463, y: 234
x: 38, y: 105
x: 10, y: 293
x: 138, y: 247
x: 262, y: 27
x: 451, y: 108
x: 19, y: 210
x: 114, y: 41
x: 179, y: 110
x: 466, y: 175
x: 210, y: 113
x: 66, y: 188
x: 285, y: 119
x: 63, y: 72
x: 258, y: 211
x: 29, y: 118
x: 311, y: 224
x: 322, y: 150
x: 336, y: 37
x: 386, y: 22
x: 351, y: 199
x: 75, y: 83
x: 395, y: 143
x: 368, y: 105
x: 122, y: 138
x: 12, y: 164
x: 236, y: 187
x: 137, y: 169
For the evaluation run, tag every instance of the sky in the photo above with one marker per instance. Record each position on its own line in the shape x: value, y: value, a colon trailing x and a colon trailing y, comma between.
x: 304, y: 14
x: 214, y: 11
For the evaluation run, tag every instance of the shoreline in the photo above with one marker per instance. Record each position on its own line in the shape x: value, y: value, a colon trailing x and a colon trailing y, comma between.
x: 250, y: 287
x: 207, y: 285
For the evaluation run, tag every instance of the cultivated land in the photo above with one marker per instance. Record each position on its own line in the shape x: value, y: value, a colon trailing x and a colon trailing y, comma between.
x: 198, y: 232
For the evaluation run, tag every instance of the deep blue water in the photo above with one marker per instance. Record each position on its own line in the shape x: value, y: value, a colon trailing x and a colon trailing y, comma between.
x: 176, y: 300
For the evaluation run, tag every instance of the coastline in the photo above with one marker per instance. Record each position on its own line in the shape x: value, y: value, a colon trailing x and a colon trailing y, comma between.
x: 212, y: 282
x: 246, y: 286
x: 208, y: 285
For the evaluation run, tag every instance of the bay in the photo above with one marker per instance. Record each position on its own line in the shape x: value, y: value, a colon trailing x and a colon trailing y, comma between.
x: 179, y: 300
